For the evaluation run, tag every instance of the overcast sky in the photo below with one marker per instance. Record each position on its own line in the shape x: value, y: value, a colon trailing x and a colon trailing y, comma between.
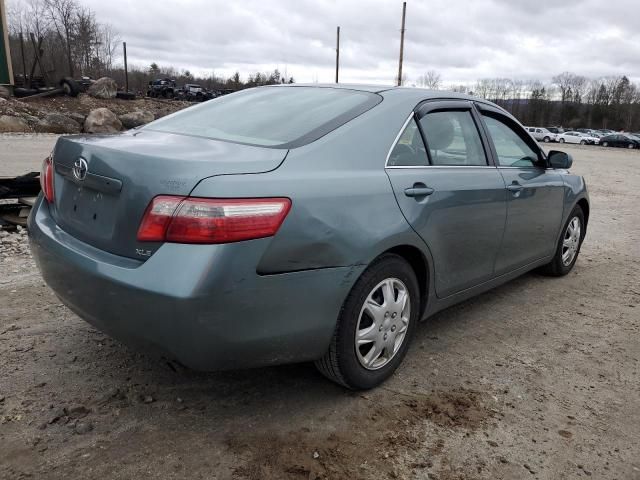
x: 461, y: 39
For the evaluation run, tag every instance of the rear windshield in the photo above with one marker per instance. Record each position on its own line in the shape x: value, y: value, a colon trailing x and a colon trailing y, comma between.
x: 279, y: 117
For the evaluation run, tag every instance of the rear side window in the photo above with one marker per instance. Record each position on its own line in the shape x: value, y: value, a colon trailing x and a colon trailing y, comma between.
x: 511, y: 148
x: 278, y: 117
x: 452, y: 138
x: 409, y: 149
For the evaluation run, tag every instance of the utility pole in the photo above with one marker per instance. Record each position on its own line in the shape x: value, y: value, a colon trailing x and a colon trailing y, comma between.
x: 126, y: 72
x: 404, y: 14
x: 337, y: 52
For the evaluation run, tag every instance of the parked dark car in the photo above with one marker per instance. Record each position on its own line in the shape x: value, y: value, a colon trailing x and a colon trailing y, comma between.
x: 301, y: 223
x: 620, y: 140
x: 555, y: 130
x: 162, y: 88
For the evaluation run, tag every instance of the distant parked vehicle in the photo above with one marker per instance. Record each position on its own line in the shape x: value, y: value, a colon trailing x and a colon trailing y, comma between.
x: 591, y: 138
x: 576, y: 137
x: 541, y: 134
x: 606, y: 131
x: 162, y: 88
x: 194, y: 93
x: 555, y: 130
x: 620, y: 140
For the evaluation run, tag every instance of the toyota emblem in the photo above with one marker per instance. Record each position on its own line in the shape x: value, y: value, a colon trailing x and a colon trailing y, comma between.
x: 80, y: 169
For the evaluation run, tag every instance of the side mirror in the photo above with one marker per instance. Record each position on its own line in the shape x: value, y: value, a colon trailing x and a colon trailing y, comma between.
x: 559, y: 159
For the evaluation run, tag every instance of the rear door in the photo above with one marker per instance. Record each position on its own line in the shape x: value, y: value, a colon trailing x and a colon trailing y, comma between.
x: 449, y: 192
x: 534, y: 192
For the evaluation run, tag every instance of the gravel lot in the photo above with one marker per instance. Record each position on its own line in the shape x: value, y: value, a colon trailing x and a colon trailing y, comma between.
x: 536, y: 379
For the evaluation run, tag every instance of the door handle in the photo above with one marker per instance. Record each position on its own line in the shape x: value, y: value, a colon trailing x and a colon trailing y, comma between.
x: 418, y: 190
x: 515, y: 187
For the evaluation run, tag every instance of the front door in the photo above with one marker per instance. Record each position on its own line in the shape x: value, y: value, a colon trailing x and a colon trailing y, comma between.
x: 450, y: 193
x: 534, y: 193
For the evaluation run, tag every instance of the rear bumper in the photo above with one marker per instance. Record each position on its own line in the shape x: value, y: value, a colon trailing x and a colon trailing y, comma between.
x: 203, y: 305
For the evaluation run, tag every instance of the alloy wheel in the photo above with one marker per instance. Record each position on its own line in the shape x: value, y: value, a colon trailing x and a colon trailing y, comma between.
x: 571, y: 241
x: 383, y: 323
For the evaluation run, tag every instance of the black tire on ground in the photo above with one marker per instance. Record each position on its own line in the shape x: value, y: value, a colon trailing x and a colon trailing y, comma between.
x: 561, y: 140
x: 546, y: 139
x: 341, y: 363
x: 582, y: 142
x: 630, y: 145
x: 70, y: 86
x: 556, y: 267
x: 24, y: 92
x: 126, y: 95
x: 605, y: 144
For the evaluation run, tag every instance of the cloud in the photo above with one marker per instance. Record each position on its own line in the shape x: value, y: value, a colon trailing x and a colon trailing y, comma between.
x: 462, y: 40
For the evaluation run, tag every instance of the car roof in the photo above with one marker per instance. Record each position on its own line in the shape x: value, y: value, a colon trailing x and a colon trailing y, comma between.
x: 364, y: 87
x: 408, y: 92
x: 407, y: 95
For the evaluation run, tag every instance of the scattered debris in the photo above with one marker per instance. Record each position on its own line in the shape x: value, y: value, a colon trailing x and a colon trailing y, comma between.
x: 82, y: 428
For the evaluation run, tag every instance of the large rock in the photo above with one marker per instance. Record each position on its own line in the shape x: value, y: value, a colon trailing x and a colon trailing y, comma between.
x: 78, y: 117
x: 13, y: 124
x: 104, y: 87
x: 57, y: 123
x: 102, y: 120
x: 135, y: 119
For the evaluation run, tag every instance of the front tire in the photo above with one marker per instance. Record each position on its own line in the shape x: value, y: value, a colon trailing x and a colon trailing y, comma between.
x: 582, y: 142
x: 561, y: 140
x: 569, y: 245
x: 375, y: 325
x: 605, y: 144
x: 546, y: 139
x: 630, y: 145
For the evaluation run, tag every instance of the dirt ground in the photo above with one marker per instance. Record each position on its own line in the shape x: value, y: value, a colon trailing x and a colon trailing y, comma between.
x: 537, y: 379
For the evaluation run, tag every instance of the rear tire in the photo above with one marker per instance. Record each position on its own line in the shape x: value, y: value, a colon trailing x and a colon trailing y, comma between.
x: 546, y: 139
x: 570, y: 242
x: 605, y: 144
x: 371, y: 317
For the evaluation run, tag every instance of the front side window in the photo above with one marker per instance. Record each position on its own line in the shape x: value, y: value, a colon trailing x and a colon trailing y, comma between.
x: 452, y: 138
x: 511, y: 148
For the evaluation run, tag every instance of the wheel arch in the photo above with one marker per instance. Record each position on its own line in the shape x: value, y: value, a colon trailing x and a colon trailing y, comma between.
x: 584, y: 205
x: 420, y: 265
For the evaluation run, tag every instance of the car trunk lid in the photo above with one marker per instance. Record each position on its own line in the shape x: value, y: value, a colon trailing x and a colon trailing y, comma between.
x: 102, y: 200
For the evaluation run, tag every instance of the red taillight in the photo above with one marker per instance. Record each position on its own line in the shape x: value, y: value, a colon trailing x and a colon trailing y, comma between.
x: 46, y: 179
x: 211, y: 220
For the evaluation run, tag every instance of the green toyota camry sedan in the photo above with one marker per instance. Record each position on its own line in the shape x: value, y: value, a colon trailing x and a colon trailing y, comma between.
x: 301, y: 223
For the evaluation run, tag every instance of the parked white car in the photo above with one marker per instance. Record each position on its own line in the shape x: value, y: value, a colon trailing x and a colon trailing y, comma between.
x: 577, y: 137
x: 542, y: 134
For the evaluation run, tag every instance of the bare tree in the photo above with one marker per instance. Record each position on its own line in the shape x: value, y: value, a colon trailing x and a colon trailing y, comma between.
x: 483, y: 88
x: 430, y: 80
x: 109, y: 41
x: 62, y: 14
